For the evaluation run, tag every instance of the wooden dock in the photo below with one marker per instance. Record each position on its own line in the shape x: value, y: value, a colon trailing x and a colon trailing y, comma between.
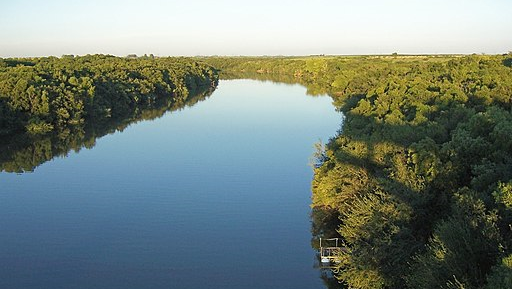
x: 329, y: 254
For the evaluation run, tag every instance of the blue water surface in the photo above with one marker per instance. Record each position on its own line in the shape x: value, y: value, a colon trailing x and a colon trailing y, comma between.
x: 213, y: 196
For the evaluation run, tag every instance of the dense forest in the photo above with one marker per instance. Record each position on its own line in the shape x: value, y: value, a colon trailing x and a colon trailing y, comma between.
x: 40, y: 95
x: 49, y: 106
x: 418, y: 181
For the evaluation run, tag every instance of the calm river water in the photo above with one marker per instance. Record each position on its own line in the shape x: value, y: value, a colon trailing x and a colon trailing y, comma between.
x: 213, y: 196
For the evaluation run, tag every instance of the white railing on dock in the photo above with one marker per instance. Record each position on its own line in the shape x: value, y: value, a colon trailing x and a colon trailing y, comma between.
x: 329, y: 254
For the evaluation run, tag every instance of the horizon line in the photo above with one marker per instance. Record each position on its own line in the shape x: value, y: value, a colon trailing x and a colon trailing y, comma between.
x: 264, y: 55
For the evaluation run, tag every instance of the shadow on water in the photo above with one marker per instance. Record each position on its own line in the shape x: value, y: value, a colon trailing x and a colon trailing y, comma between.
x: 22, y: 153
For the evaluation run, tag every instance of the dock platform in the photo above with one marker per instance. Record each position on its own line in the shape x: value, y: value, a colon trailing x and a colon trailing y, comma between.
x: 329, y: 254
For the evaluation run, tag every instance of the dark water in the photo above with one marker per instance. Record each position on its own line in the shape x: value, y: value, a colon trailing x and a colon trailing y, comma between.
x: 213, y: 196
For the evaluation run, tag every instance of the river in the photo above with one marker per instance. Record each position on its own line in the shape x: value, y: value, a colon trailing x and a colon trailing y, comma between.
x: 215, y: 195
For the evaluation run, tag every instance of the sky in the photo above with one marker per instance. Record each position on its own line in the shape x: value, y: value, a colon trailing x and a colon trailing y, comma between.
x: 264, y: 27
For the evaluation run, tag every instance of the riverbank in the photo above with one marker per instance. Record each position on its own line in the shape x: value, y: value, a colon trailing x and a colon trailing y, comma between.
x: 50, y: 106
x: 41, y: 95
x: 419, y: 177
x: 421, y: 172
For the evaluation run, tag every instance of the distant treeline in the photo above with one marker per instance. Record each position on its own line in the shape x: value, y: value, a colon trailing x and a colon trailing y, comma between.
x: 420, y: 175
x: 42, y: 95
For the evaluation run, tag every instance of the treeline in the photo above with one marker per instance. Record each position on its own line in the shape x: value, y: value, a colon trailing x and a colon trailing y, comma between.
x: 21, y: 153
x: 420, y: 175
x: 42, y: 95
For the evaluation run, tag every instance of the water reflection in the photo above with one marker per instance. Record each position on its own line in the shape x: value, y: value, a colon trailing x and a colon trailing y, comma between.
x: 257, y: 198
x: 275, y: 78
x: 324, y: 222
x: 312, y: 88
x: 23, y: 153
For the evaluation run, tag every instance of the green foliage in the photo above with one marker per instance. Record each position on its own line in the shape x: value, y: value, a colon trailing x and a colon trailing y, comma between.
x: 39, y: 95
x: 376, y: 235
x: 420, y: 173
x: 418, y: 178
x: 462, y: 249
x: 49, y: 106
x: 24, y: 152
x: 503, y: 194
x: 501, y: 275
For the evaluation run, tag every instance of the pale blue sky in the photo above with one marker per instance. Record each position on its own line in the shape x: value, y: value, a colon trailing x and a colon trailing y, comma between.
x: 264, y: 27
